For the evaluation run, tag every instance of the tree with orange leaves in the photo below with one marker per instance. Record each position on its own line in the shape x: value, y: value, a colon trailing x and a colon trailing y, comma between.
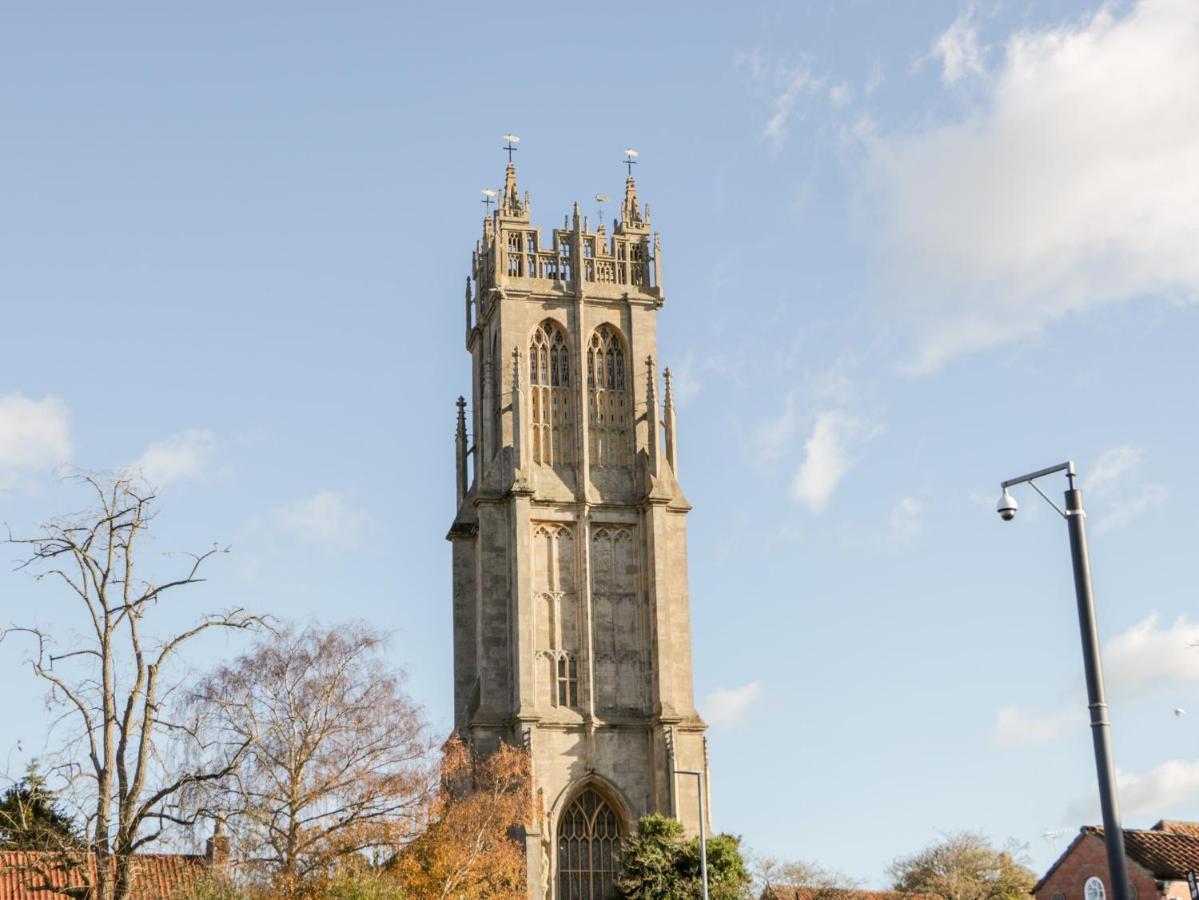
x: 471, y: 848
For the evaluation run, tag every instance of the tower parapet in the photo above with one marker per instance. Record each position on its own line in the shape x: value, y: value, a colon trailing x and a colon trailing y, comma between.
x: 514, y: 254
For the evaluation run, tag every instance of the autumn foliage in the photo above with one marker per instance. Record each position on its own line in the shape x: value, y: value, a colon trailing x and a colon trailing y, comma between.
x: 472, y: 847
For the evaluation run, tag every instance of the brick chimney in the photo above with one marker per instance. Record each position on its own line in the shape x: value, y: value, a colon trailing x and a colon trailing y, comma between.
x: 216, y: 855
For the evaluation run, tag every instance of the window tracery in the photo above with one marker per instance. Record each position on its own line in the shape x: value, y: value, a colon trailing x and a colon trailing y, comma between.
x: 610, y: 428
x: 551, y: 407
x: 589, y: 836
x: 618, y: 629
x: 556, y: 615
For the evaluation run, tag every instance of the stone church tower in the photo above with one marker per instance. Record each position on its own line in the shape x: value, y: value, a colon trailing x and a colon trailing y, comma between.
x: 571, y: 618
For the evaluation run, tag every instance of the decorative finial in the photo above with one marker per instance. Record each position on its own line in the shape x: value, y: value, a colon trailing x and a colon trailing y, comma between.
x: 488, y: 198
x: 601, y: 199
x: 511, y: 139
x: 630, y: 159
x: 515, y: 368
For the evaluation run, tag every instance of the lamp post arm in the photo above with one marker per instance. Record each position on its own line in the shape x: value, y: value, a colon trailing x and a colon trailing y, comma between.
x: 1067, y: 467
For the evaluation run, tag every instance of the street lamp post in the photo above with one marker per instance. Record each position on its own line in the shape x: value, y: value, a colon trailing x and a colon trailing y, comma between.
x: 1109, y: 802
x: 703, y: 841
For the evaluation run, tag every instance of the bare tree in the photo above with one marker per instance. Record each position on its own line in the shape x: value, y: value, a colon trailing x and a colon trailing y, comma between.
x: 780, y: 879
x: 338, y: 762
x: 117, y: 757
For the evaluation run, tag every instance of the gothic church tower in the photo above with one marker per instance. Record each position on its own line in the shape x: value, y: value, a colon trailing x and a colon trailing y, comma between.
x: 571, y: 618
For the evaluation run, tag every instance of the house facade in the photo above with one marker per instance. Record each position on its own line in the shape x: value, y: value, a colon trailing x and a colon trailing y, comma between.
x: 1158, y: 861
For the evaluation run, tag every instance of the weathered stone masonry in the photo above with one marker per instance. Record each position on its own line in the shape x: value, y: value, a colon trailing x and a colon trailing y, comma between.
x: 571, y: 615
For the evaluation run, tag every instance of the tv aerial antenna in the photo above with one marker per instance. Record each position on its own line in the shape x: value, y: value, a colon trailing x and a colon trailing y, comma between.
x: 1054, y: 836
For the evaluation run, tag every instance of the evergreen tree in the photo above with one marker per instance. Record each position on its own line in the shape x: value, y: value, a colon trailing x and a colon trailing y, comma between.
x: 30, y: 818
x: 660, y: 863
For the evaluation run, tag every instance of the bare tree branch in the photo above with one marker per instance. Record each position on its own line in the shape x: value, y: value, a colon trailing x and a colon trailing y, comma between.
x: 111, y: 681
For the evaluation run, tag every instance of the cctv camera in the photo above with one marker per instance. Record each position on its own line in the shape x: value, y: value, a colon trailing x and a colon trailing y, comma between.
x: 1007, y: 506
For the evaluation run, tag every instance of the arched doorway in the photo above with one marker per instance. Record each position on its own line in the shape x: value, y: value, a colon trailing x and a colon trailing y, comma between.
x: 588, y: 848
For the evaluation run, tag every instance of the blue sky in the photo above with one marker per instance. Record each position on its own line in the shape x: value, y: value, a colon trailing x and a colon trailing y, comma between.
x: 909, y: 250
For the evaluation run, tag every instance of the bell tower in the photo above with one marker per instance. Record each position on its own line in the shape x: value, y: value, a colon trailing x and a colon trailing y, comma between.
x: 571, y: 618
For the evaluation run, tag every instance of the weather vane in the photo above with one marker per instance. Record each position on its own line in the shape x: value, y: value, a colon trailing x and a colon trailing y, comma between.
x: 601, y: 199
x: 511, y: 139
x: 488, y: 199
x: 630, y: 159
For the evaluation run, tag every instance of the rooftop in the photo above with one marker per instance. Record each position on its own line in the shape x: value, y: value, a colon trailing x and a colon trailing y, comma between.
x: 159, y: 875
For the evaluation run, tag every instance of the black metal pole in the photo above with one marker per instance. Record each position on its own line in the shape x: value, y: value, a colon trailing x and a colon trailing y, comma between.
x: 1109, y: 802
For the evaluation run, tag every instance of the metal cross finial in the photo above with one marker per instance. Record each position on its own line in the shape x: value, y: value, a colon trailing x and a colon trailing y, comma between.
x: 488, y: 198
x: 511, y: 139
x: 630, y: 159
x: 601, y: 199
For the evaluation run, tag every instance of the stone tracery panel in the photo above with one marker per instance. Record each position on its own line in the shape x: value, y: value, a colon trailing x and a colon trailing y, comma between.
x: 619, y: 638
x: 556, y: 620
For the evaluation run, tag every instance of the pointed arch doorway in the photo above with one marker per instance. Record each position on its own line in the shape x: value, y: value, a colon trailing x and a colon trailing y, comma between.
x: 589, y: 833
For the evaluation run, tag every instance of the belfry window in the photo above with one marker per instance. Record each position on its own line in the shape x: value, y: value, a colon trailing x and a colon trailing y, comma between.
x: 610, y: 429
x: 588, y: 848
x: 551, y: 408
x: 568, y: 680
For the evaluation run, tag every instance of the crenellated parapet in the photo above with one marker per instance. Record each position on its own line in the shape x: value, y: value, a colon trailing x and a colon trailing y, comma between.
x: 514, y: 254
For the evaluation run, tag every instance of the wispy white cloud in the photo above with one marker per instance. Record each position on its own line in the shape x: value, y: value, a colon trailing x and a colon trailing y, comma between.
x: 787, y: 84
x: 1171, y: 785
x: 187, y: 454
x: 1017, y: 728
x: 1112, y: 464
x: 1144, y: 659
x: 829, y: 453
x: 799, y: 82
x: 1150, y: 655
x: 774, y: 435
x: 1070, y: 185
x: 958, y: 49
x: 906, y: 520
x: 726, y: 708
x: 327, y: 518
x: 34, y: 436
x: 1120, y: 492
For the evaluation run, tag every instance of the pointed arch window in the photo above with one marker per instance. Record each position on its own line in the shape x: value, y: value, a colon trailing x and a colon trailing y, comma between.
x: 588, y: 848
x: 551, y: 408
x: 610, y: 432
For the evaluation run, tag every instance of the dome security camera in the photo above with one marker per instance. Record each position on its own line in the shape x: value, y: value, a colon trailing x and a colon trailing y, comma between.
x: 1007, y: 506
